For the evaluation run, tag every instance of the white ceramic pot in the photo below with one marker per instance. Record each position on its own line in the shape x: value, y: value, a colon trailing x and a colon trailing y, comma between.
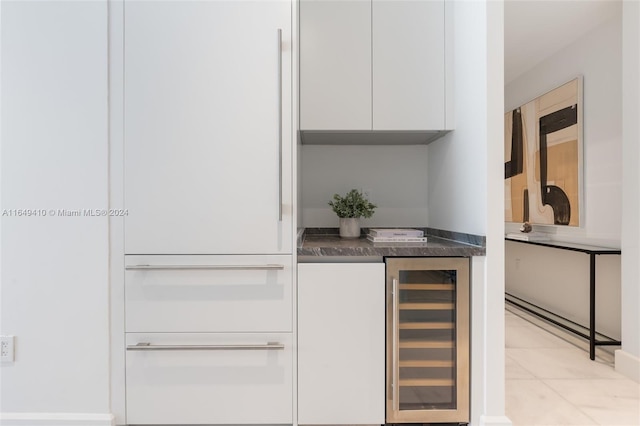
x: 350, y: 227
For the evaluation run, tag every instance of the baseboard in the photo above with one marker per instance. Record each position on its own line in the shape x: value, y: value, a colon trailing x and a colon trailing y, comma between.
x: 495, y: 421
x: 56, y: 419
x: 628, y: 365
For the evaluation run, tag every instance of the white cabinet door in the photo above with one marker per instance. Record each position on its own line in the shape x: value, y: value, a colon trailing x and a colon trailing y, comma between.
x: 374, y: 65
x: 341, y: 343
x: 335, y: 65
x: 209, y: 378
x: 208, y: 293
x: 207, y: 104
x: 408, y: 65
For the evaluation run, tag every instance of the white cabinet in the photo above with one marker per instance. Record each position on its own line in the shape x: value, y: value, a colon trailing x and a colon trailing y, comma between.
x: 408, y: 65
x: 208, y: 130
x: 209, y: 339
x: 377, y: 65
x: 232, y: 294
x: 341, y: 343
x: 204, y: 378
x: 335, y: 66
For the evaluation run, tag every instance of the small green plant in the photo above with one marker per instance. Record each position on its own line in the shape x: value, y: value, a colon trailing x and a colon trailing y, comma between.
x: 352, y: 205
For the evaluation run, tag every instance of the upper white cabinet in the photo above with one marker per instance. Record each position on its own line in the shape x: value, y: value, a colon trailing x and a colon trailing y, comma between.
x: 378, y: 65
x: 335, y: 65
x: 208, y: 130
x: 408, y: 65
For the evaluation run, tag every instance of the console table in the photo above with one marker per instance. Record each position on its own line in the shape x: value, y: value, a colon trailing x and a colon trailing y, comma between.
x: 592, y: 252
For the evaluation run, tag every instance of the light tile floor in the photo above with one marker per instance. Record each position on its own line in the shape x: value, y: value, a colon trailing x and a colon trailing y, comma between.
x: 552, y: 381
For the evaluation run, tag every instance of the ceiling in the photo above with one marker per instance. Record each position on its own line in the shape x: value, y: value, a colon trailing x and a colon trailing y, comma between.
x: 536, y: 29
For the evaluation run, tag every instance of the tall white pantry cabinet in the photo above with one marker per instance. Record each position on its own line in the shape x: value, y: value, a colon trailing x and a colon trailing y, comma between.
x: 208, y: 281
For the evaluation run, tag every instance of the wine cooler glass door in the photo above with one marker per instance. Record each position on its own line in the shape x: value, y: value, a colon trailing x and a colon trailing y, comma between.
x: 428, y: 340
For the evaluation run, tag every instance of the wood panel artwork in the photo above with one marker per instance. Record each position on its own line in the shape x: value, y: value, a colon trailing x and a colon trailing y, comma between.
x: 543, y: 145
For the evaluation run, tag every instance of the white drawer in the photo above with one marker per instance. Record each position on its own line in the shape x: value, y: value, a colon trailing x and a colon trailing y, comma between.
x: 208, y: 293
x: 226, y: 379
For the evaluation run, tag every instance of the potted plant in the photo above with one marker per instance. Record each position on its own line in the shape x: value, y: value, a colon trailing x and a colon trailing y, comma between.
x: 350, y: 209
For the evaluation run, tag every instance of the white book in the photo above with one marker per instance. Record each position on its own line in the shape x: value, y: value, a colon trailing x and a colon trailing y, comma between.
x: 396, y: 239
x: 531, y: 236
x: 388, y: 233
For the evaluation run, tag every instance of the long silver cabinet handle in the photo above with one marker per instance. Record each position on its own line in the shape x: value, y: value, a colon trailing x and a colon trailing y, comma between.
x: 144, y: 346
x: 279, y: 125
x: 267, y: 267
x: 394, y: 346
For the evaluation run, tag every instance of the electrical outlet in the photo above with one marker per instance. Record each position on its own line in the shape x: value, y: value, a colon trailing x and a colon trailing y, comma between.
x: 7, y: 348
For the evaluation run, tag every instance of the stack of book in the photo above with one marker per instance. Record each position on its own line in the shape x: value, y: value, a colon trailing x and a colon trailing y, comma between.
x: 396, y: 236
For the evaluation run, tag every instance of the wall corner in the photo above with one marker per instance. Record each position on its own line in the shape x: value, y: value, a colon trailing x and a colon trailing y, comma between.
x: 627, y: 365
x: 495, y: 421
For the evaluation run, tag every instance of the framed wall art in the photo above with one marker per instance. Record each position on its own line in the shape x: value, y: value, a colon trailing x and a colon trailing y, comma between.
x: 543, y: 152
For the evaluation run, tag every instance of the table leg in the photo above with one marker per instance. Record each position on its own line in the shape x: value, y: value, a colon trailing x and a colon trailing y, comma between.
x: 592, y: 307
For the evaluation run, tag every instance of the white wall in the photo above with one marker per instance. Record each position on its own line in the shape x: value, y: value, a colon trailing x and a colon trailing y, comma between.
x: 55, y: 156
x: 395, y: 175
x: 628, y: 358
x: 457, y: 162
x: 598, y: 57
x: 465, y: 181
x: 559, y: 281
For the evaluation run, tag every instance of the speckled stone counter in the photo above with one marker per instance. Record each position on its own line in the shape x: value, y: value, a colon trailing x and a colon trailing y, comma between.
x: 327, y: 242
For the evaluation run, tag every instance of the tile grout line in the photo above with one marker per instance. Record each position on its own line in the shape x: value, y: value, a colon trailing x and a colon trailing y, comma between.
x: 513, y: 359
x: 546, y: 382
x: 569, y: 402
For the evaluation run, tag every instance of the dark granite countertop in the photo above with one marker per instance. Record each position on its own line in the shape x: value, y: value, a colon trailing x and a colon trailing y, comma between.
x: 327, y: 242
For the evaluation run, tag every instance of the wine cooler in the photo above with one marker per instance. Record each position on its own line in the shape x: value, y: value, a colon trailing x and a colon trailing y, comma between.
x: 427, y: 340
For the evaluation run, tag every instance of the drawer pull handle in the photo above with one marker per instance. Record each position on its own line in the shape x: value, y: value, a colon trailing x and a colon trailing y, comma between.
x: 144, y: 346
x: 268, y: 267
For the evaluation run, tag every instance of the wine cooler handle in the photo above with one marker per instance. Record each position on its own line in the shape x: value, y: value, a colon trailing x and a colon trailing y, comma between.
x: 394, y: 345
